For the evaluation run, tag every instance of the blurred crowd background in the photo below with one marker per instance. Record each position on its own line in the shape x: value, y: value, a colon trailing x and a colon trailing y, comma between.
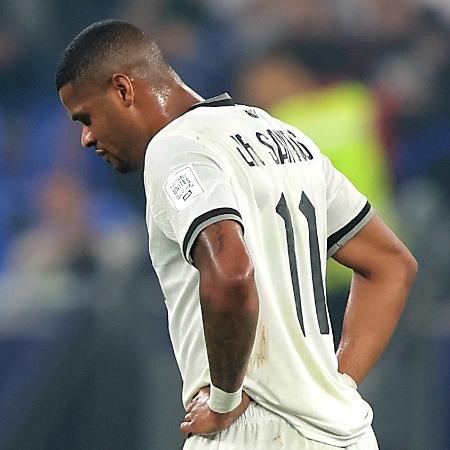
x: 85, y: 360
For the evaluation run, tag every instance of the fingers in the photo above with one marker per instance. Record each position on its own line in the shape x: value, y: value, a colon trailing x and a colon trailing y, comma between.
x: 199, y: 420
x: 186, y: 425
x: 246, y: 400
x: 186, y: 429
x: 197, y: 399
x: 201, y: 397
x: 204, y: 390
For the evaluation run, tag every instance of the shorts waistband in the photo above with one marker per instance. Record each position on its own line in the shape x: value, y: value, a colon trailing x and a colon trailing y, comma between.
x: 255, y: 413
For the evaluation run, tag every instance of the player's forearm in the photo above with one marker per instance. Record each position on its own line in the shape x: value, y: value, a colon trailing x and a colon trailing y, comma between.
x: 375, y: 305
x: 230, y: 314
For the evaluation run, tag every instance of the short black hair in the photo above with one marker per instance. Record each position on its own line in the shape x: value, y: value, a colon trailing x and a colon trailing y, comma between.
x: 101, y: 43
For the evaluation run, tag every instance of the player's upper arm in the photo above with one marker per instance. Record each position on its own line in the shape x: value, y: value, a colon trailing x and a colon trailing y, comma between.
x: 220, y: 253
x: 376, y: 250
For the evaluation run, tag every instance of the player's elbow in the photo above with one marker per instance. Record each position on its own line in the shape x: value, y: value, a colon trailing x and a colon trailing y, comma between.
x: 237, y: 280
x: 238, y: 275
x: 400, y: 267
x: 409, y: 267
x: 395, y: 267
x: 232, y: 287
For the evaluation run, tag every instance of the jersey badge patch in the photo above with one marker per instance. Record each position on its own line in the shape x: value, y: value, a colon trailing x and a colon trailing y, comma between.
x: 182, y: 186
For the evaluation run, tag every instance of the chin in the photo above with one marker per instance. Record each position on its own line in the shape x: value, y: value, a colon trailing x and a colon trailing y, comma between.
x: 129, y: 167
x: 119, y: 165
x: 124, y: 165
x: 125, y: 168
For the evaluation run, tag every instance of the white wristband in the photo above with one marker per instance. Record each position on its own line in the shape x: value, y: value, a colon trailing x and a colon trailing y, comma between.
x: 223, y: 402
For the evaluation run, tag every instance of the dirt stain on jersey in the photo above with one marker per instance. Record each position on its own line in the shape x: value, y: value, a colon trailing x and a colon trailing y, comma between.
x: 279, y: 440
x: 259, y: 354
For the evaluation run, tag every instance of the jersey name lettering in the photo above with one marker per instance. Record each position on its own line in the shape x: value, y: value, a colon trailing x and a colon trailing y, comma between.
x: 283, y: 146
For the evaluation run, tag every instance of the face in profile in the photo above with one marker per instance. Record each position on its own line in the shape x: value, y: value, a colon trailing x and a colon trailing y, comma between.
x: 107, y: 125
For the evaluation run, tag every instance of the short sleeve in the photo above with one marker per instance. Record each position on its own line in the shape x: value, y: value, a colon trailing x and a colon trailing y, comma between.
x: 187, y: 188
x: 348, y: 211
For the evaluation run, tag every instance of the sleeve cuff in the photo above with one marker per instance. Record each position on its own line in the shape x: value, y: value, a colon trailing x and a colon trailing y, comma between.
x: 204, y: 220
x: 340, y: 237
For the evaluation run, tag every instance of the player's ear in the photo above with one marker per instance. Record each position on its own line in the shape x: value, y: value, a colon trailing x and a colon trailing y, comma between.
x: 123, y: 86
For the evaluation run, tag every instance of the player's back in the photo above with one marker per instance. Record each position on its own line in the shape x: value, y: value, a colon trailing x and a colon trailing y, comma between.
x: 295, y: 208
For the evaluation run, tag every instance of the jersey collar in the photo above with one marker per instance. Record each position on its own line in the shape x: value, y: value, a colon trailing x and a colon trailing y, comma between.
x: 218, y: 100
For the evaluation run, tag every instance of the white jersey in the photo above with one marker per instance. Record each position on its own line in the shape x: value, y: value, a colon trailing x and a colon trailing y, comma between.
x: 223, y: 161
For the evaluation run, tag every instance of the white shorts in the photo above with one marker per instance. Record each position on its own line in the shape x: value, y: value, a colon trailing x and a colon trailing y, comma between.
x: 260, y: 429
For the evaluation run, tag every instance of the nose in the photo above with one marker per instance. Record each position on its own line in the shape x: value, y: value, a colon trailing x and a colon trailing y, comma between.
x: 87, y: 138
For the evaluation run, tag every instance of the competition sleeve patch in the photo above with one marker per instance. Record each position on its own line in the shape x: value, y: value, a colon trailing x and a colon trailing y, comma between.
x: 340, y: 237
x: 182, y: 186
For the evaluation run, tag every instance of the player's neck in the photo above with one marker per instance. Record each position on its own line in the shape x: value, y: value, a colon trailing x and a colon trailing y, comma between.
x: 181, y: 99
x: 167, y: 104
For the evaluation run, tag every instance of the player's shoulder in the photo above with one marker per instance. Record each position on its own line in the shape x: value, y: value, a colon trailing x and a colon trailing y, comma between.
x: 189, y: 127
x: 175, y: 145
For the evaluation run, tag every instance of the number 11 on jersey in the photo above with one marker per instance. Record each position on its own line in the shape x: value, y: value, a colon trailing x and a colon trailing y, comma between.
x: 308, y: 210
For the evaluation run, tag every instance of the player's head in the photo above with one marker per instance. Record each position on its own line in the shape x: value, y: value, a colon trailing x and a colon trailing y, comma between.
x: 114, y: 80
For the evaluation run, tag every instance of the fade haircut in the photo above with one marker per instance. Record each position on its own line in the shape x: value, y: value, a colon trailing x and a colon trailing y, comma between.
x: 106, y: 46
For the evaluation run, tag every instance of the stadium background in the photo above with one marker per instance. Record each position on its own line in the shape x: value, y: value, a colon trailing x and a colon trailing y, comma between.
x: 85, y: 361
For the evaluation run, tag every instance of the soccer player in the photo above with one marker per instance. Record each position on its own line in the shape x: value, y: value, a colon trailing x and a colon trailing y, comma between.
x: 242, y: 212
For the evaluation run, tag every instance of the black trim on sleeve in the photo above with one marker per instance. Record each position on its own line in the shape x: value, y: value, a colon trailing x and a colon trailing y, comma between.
x: 338, y: 235
x: 205, y: 217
